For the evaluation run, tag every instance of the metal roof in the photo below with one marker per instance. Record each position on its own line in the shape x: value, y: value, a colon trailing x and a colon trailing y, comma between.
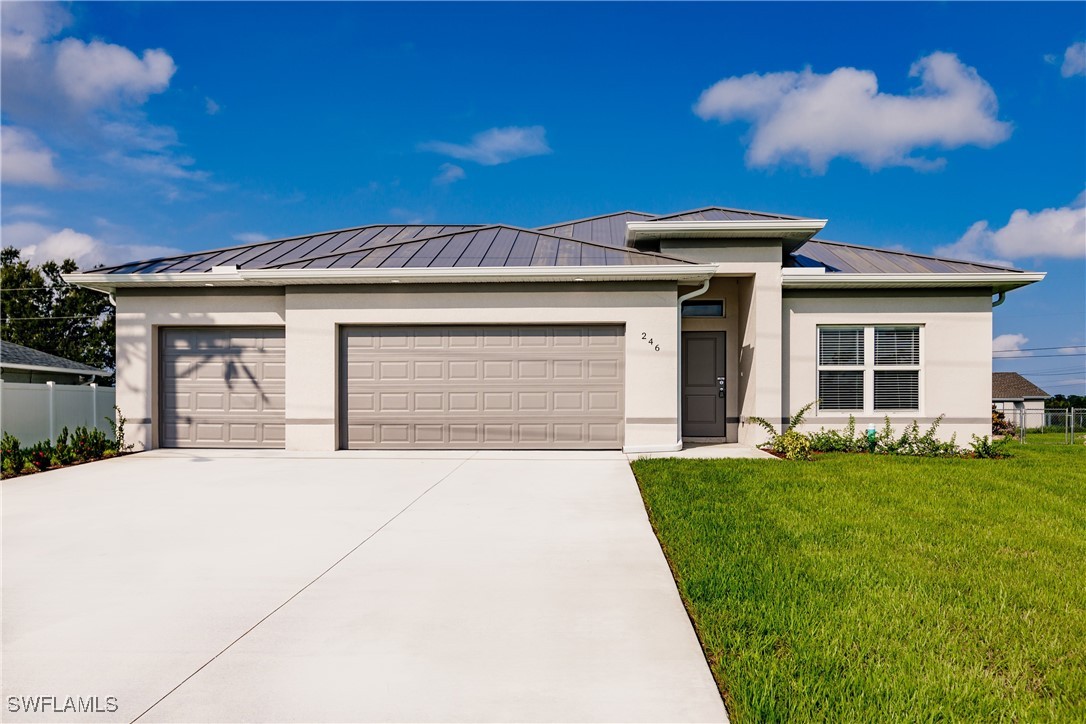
x: 20, y: 357
x: 261, y: 254
x: 608, y: 229
x: 594, y: 240
x: 723, y: 213
x: 1013, y: 386
x: 488, y: 246
x: 836, y: 256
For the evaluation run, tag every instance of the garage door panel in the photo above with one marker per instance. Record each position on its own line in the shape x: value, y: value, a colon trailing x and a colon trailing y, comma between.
x: 468, y: 387
x: 222, y: 387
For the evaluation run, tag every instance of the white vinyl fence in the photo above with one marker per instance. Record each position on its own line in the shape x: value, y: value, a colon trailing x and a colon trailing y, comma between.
x: 37, y: 411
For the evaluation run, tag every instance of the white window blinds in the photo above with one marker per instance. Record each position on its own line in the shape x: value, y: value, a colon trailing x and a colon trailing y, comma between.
x: 897, y: 390
x: 840, y: 346
x: 897, y: 346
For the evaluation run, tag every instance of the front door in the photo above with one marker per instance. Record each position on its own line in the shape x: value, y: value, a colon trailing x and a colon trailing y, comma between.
x: 703, y: 380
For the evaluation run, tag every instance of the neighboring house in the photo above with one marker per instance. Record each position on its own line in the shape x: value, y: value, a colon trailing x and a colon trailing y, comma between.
x: 1012, y: 392
x: 23, y: 364
x: 629, y: 330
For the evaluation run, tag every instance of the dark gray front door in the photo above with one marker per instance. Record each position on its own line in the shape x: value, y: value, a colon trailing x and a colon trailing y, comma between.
x: 704, y: 409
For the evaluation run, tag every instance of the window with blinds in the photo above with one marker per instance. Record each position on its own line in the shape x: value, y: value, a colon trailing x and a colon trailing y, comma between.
x: 869, y: 368
x: 840, y: 390
x: 839, y: 346
x: 897, y: 390
x: 897, y: 346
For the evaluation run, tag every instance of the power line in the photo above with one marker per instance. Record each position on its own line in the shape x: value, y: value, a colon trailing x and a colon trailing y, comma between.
x: 80, y: 316
x: 1043, y: 356
x: 1038, y: 349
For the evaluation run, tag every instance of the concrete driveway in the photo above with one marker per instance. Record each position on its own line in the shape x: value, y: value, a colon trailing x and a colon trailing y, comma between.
x: 275, y: 586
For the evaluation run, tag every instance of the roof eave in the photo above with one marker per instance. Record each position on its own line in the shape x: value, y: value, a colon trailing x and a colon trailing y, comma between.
x: 46, y: 368
x: 996, y: 281
x: 109, y: 283
x: 790, y: 229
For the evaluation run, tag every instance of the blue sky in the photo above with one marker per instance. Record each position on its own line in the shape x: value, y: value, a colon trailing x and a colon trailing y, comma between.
x: 956, y: 128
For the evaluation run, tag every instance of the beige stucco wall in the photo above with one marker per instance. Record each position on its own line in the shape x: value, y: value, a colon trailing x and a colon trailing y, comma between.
x: 312, y: 315
x: 755, y: 265
x: 955, y: 349
x: 139, y: 318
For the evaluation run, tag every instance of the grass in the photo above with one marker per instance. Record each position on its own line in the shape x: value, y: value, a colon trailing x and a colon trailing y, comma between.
x: 862, y: 588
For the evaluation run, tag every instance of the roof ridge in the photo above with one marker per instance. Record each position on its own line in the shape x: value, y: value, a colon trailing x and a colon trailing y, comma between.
x: 267, y: 241
x: 915, y: 254
x: 79, y: 366
x: 480, y: 229
x: 664, y: 217
x: 597, y: 216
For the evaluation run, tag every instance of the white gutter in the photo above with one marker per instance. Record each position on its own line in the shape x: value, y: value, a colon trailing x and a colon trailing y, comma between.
x: 770, y: 228
x: 232, y: 277
x: 679, y: 360
x: 997, y: 281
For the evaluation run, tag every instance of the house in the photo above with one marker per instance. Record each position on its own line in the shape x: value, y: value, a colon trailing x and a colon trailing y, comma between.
x: 23, y: 364
x: 631, y: 331
x: 1011, y: 392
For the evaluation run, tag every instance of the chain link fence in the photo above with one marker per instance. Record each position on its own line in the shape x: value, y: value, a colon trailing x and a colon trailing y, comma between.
x: 1064, y: 426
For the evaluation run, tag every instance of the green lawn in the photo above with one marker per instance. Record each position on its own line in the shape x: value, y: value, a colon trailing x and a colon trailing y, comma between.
x: 860, y: 588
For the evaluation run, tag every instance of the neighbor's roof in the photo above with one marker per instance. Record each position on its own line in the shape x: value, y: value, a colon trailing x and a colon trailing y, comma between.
x: 1013, y: 386
x: 836, y: 256
x: 16, y: 356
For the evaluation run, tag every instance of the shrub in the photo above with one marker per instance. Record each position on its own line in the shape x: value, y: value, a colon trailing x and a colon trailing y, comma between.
x: 41, y: 455
x: 117, y: 445
x: 1000, y: 424
x: 12, y: 456
x: 62, y: 450
x: 984, y: 447
x: 88, y: 444
x: 792, y: 443
x: 833, y: 441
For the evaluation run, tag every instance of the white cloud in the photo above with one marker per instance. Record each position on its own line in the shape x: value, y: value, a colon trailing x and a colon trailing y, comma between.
x: 496, y: 145
x: 1009, y: 343
x: 808, y: 118
x: 24, y: 25
x: 25, y: 160
x: 449, y: 173
x: 85, y: 98
x: 25, y: 210
x: 250, y: 237
x: 39, y: 244
x: 1057, y: 232
x: 1074, y: 60
x: 96, y: 73
x: 211, y: 106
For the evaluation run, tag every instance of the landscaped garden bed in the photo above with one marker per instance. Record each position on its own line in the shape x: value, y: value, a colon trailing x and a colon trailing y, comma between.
x: 859, y: 588
x: 83, y: 445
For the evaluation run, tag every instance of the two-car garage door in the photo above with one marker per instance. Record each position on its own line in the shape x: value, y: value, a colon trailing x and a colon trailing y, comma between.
x: 466, y: 387
x: 482, y: 387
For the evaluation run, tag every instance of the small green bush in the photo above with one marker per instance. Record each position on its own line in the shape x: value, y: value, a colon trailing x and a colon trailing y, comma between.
x: 41, y: 455
x: 13, y: 456
x: 985, y: 447
x: 792, y: 443
x: 833, y: 441
x: 62, y: 449
x: 88, y: 444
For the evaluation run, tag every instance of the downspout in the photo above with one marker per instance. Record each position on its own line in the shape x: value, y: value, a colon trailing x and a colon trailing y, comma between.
x: 679, y: 359
x: 1000, y: 298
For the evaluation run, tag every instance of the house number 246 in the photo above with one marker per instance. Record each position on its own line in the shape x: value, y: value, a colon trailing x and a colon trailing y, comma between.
x: 647, y: 338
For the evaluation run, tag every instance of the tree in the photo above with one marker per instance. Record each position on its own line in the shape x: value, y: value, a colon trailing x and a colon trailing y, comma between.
x: 38, y: 309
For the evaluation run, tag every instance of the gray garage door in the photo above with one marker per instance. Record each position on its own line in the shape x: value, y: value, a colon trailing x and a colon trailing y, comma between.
x: 222, y: 387
x: 482, y: 387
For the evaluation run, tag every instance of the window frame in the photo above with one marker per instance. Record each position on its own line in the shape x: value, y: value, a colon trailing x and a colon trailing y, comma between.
x: 869, y: 368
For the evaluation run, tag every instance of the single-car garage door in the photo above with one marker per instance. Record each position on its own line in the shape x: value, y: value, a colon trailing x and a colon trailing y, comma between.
x: 222, y: 387
x: 482, y: 387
